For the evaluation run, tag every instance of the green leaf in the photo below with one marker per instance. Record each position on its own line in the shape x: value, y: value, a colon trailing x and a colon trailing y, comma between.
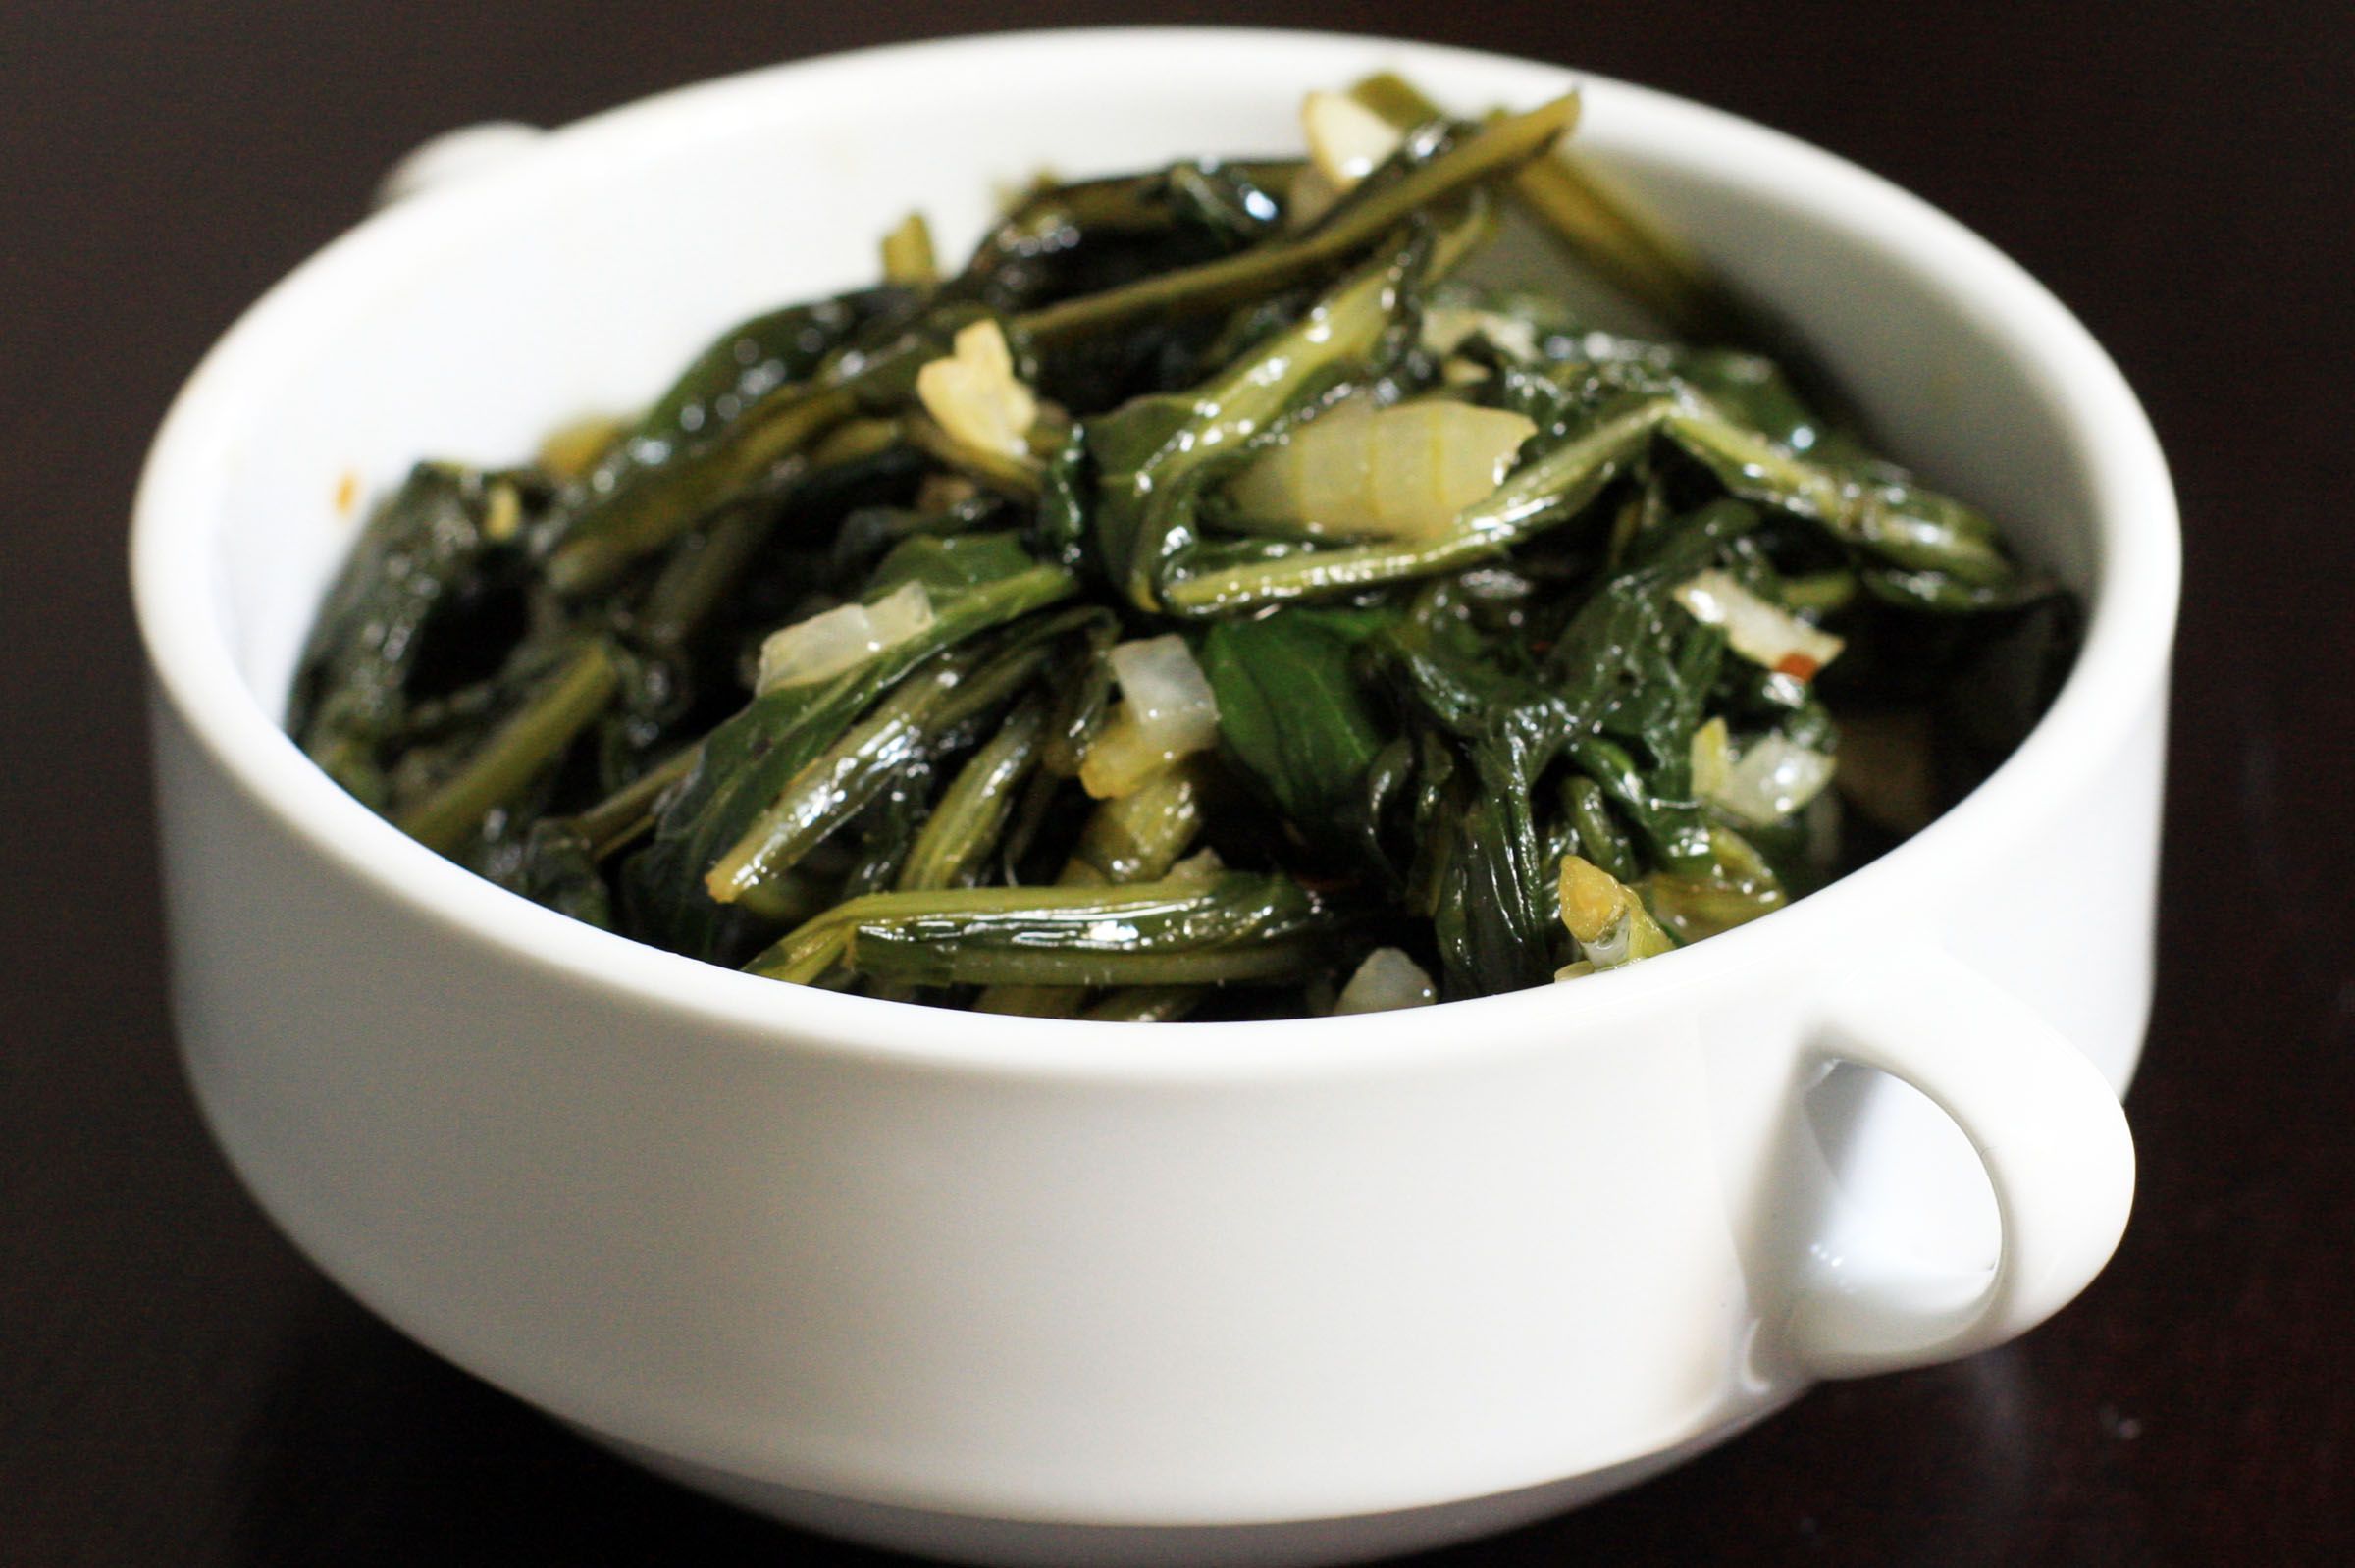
x: 1156, y: 457
x: 1089, y: 236
x: 421, y: 552
x: 976, y: 581
x: 561, y: 703
x: 746, y: 364
x: 648, y: 507
x: 557, y: 870
x: 1293, y: 712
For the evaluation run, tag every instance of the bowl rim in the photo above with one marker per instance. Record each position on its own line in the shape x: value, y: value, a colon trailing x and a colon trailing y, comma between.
x: 2128, y: 635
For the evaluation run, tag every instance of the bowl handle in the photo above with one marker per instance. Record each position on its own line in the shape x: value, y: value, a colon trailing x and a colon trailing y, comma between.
x: 455, y: 155
x: 2045, y: 1125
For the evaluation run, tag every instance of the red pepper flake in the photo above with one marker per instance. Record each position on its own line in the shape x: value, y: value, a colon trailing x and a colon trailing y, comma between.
x: 1798, y: 666
x: 347, y: 492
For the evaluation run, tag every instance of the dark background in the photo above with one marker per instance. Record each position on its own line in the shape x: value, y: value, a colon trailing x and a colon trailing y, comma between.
x: 177, y: 1387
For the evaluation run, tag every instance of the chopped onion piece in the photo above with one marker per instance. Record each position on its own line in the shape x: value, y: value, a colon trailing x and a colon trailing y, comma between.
x: 900, y: 615
x: 1772, y: 778
x: 1167, y: 710
x: 1386, y: 980
x: 1712, y: 752
x: 908, y: 256
x: 1611, y: 946
x: 1762, y: 633
x: 1309, y: 199
x: 974, y: 394
x: 817, y: 648
x: 841, y: 639
x: 1399, y: 472
x: 1609, y: 921
x: 1448, y: 328
x: 1119, y: 758
x: 1165, y: 692
x: 502, y: 512
x: 1346, y: 140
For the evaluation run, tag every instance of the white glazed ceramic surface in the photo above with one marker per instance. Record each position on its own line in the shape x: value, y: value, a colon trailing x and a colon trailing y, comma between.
x: 1060, y: 1291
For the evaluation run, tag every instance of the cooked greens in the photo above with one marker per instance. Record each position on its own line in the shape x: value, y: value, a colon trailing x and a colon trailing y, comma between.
x: 1217, y: 599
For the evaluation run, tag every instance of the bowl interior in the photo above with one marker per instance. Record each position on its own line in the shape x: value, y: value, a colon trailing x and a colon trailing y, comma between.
x: 468, y: 322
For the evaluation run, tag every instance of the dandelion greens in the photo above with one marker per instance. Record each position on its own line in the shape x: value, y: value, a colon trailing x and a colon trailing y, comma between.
x: 1214, y: 597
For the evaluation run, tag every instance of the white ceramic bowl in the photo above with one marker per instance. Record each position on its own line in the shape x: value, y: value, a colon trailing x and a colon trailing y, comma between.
x: 1061, y: 1291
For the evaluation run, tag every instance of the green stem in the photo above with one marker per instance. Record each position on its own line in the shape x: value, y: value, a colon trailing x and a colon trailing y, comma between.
x: 621, y: 817
x: 1907, y: 527
x: 1601, y: 226
x: 699, y: 573
x: 965, y: 825
x: 1253, y: 274
x: 1236, y: 926
x: 503, y: 766
x: 834, y: 786
x: 651, y: 507
x: 1138, y: 836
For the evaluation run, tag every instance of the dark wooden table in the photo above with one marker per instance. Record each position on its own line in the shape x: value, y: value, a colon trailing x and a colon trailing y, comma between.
x: 177, y: 1387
